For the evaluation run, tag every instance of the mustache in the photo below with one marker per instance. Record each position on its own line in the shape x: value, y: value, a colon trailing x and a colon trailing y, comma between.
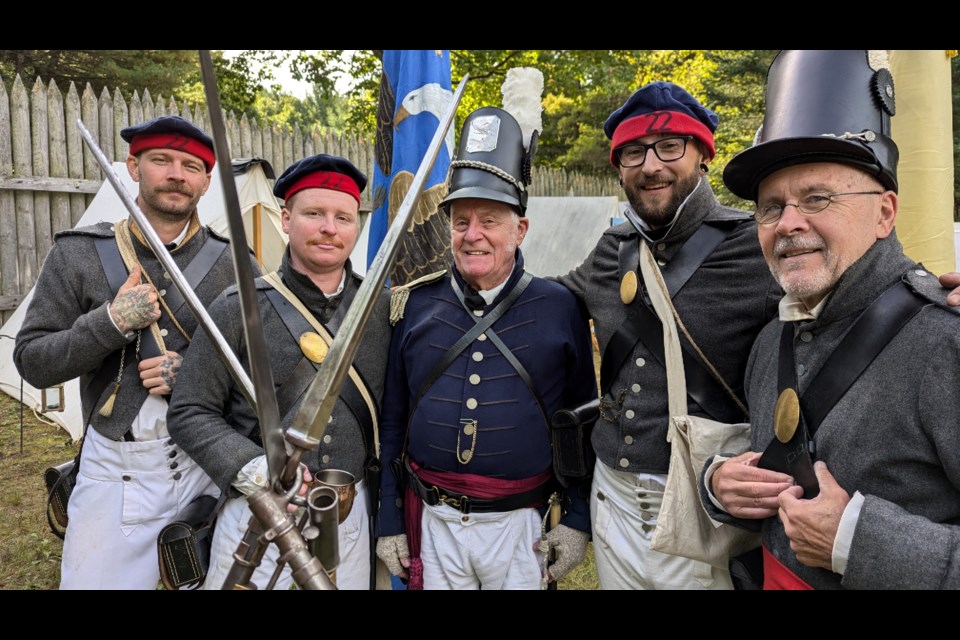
x: 797, y: 243
x: 176, y: 189
x: 325, y: 240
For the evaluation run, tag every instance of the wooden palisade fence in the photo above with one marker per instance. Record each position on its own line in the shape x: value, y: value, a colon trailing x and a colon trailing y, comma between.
x: 47, y: 176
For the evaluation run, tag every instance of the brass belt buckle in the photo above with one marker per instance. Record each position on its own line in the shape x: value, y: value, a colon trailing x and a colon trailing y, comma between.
x: 461, y: 504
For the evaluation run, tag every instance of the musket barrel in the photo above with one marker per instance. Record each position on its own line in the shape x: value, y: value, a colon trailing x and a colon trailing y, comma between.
x: 176, y: 276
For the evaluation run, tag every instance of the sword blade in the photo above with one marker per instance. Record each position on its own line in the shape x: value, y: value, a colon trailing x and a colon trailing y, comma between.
x: 268, y: 413
x: 311, y: 418
x: 176, y: 276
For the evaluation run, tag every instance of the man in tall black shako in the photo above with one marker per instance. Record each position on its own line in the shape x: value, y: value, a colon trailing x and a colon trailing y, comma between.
x: 853, y: 389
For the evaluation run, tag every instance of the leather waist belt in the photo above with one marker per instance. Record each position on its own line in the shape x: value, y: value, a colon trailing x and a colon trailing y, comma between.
x: 433, y: 495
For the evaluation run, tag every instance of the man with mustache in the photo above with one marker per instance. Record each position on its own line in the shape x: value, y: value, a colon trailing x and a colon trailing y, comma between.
x: 301, y: 306
x: 125, y: 334
x: 864, y: 338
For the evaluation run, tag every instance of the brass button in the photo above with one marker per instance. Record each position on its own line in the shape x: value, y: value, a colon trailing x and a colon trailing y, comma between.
x: 327, y: 439
x: 635, y: 388
x: 469, y: 429
x: 325, y: 459
x: 166, y: 276
x: 478, y: 312
x: 641, y: 362
x: 482, y: 337
x: 474, y: 379
x: 477, y: 356
x: 471, y: 403
x: 163, y: 332
x: 624, y: 463
x: 163, y: 292
x: 629, y: 413
x: 628, y: 439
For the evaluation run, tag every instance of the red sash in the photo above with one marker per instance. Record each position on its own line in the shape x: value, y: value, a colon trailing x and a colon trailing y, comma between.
x: 469, y: 484
x: 776, y: 576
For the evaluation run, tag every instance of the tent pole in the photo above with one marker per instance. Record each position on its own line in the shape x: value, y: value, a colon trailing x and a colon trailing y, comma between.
x: 257, y: 214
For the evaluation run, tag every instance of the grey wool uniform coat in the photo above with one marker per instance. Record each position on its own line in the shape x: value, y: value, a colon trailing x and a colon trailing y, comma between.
x: 724, y: 304
x: 894, y: 436
x: 67, y: 331
x: 212, y: 421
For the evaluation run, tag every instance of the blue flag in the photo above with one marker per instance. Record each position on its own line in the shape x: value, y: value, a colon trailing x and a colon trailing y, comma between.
x: 415, y: 91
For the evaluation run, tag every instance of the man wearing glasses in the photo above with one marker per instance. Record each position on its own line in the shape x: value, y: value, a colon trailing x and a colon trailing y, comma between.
x: 662, y: 145
x: 853, y: 390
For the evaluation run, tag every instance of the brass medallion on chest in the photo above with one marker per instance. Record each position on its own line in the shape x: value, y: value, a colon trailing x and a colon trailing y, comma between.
x: 313, y: 347
x: 628, y: 287
x: 786, y: 415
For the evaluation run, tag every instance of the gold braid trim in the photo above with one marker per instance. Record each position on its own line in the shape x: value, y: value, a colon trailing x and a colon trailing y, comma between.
x: 401, y: 294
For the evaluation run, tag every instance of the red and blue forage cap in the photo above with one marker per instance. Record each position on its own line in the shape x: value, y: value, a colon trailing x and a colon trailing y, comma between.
x: 170, y: 132
x: 321, y: 171
x: 660, y: 108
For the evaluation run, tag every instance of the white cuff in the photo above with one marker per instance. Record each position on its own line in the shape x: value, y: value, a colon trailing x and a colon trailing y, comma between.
x: 844, y: 539
x: 253, y: 476
x: 128, y: 335
x: 708, y: 479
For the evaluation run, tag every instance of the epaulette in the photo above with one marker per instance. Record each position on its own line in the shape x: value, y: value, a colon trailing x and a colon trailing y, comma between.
x: 98, y: 230
x: 927, y: 286
x: 400, y: 294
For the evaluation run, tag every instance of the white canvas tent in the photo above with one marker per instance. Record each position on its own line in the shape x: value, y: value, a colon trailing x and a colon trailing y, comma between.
x: 256, y: 196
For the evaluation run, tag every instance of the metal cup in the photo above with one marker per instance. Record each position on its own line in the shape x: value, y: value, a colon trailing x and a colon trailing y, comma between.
x: 343, y: 483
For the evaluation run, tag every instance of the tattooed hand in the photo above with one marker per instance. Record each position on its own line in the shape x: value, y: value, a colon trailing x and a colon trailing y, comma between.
x: 160, y: 374
x: 136, y: 306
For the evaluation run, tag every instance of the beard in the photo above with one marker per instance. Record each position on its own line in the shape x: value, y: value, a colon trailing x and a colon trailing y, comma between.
x: 167, y: 211
x: 658, y: 216
x: 809, y: 282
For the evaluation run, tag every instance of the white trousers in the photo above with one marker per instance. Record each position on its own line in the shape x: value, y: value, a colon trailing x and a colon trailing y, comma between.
x: 492, y: 551
x: 125, y: 493
x: 623, y: 513
x: 353, y: 536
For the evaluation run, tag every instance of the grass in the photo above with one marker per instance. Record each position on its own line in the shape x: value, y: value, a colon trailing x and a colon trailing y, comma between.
x: 29, y: 552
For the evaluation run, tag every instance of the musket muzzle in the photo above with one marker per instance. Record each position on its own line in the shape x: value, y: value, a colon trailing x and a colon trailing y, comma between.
x: 322, y: 532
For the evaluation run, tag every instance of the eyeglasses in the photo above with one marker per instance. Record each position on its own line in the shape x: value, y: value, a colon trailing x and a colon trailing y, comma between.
x: 808, y: 204
x: 667, y: 150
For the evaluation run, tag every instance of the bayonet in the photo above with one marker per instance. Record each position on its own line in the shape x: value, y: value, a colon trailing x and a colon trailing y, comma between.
x: 311, y: 418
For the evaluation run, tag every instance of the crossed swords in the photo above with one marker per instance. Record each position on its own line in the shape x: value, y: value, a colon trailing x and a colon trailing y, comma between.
x: 271, y: 523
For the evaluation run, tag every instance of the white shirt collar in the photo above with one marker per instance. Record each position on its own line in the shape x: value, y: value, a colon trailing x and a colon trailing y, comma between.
x: 793, y: 309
